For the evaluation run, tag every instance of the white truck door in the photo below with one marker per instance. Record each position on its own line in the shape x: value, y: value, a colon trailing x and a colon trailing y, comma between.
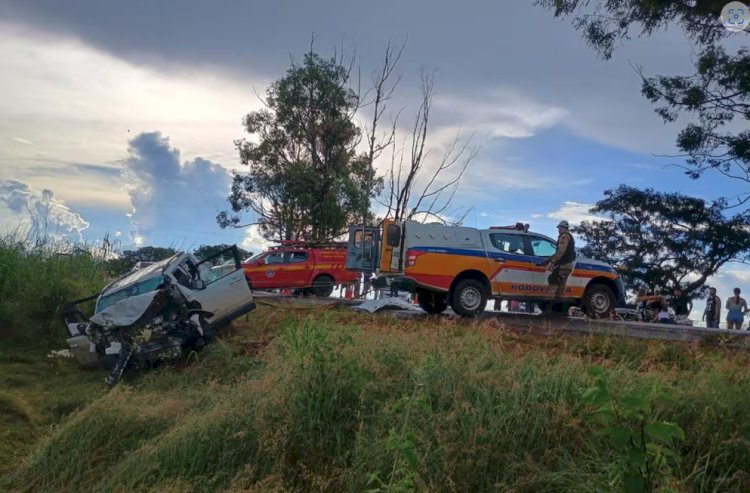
x: 513, y: 275
x: 219, y: 293
x: 543, y: 249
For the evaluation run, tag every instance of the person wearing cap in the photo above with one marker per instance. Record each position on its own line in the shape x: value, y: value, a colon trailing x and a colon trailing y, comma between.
x: 560, y: 265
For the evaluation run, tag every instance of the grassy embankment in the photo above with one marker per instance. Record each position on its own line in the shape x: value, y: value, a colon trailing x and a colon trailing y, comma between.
x: 315, y: 398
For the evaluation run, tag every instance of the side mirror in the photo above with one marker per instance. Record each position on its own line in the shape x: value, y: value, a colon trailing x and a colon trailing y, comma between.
x: 199, y: 284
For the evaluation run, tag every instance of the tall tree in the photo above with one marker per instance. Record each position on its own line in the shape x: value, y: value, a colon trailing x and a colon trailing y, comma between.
x: 384, y: 83
x: 413, y: 190
x: 715, y: 98
x: 306, y: 180
x: 664, y: 240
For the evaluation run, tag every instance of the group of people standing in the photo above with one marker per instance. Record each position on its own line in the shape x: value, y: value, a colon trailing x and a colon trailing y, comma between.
x: 736, y: 309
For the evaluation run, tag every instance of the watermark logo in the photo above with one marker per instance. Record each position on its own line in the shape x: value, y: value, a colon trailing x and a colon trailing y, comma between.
x: 735, y: 16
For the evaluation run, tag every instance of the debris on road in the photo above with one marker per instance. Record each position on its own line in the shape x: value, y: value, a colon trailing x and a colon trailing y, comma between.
x: 394, y: 303
x: 62, y: 353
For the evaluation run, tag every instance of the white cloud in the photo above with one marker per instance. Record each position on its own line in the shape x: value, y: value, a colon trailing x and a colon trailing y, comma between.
x: 574, y: 213
x: 501, y: 112
x: 37, y: 212
x: 170, y: 197
x: 253, y: 240
x: 742, y: 276
x: 77, y: 104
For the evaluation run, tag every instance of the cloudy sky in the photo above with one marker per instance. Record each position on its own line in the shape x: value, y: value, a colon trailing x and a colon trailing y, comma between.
x: 120, y: 117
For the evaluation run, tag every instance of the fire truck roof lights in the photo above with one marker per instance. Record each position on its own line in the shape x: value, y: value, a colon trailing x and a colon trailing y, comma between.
x: 308, y: 244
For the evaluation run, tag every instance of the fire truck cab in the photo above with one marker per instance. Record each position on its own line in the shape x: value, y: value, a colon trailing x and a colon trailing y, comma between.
x: 306, y: 267
x: 463, y: 267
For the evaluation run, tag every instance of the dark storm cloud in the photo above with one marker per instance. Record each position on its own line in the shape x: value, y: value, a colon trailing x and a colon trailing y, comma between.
x: 475, y: 45
x: 473, y: 39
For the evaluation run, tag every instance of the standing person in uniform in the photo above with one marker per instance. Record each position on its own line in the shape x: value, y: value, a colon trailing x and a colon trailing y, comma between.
x: 737, y: 309
x: 681, y: 305
x: 712, y: 313
x: 560, y: 265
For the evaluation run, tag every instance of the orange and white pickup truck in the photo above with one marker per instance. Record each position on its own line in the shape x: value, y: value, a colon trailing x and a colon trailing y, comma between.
x: 464, y: 267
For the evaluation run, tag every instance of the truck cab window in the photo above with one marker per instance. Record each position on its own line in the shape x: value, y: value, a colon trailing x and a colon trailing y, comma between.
x: 207, y: 275
x: 274, y: 258
x: 543, y: 247
x: 393, y: 235
x: 295, y: 257
x: 508, y: 243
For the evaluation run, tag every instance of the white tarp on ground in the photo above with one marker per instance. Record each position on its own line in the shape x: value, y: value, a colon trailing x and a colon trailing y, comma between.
x: 373, y: 306
x: 125, y: 312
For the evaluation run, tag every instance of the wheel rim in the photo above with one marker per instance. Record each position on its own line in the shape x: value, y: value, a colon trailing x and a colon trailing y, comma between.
x: 470, y: 298
x: 600, y: 302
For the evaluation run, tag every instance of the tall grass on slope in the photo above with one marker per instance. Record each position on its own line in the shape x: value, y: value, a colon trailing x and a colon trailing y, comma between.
x: 339, y: 408
x: 36, y: 278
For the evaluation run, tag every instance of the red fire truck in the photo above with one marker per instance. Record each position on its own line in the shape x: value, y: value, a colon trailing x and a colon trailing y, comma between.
x: 305, y: 267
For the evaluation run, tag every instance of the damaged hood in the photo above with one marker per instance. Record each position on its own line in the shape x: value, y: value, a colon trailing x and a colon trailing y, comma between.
x: 128, y: 311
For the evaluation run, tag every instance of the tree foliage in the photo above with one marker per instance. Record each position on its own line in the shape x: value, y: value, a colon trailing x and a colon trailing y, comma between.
x: 305, y: 178
x: 129, y: 258
x: 715, y: 98
x: 205, y: 251
x: 414, y: 190
x: 664, y: 240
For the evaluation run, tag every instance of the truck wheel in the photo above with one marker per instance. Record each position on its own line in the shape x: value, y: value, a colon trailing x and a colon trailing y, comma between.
x: 598, y: 301
x: 323, y: 286
x: 468, y: 298
x: 431, y: 302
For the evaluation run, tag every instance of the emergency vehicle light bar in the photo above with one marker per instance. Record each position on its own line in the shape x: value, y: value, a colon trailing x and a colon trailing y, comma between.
x: 308, y: 244
x: 518, y: 226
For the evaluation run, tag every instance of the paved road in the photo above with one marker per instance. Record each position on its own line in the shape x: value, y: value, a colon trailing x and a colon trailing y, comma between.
x: 522, y: 322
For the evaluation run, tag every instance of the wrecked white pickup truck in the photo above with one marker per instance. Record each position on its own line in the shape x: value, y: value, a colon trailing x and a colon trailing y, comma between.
x: 157, y: 313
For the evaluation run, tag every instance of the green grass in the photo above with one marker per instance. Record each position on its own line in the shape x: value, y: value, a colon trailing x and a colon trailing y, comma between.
x: 301, y: 398
x: 36, y: 279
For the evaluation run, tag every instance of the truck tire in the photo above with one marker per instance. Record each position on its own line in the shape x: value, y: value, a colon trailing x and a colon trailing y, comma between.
x: 468, y: 298
x: 431, y: 302
x: 598, y: 301
x: 323, y: 286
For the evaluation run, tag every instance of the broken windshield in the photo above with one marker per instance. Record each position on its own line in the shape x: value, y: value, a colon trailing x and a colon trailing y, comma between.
x: 142, y: 287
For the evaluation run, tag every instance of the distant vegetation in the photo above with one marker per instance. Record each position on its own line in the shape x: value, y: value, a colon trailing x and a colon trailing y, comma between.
x: 664, y: 240
x: 305, y: 398
x: 36, y: 278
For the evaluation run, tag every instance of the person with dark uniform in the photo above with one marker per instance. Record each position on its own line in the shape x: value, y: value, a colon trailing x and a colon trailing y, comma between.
x: 560, y: 265
x: 681, y: 305
x: 712, y: 313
